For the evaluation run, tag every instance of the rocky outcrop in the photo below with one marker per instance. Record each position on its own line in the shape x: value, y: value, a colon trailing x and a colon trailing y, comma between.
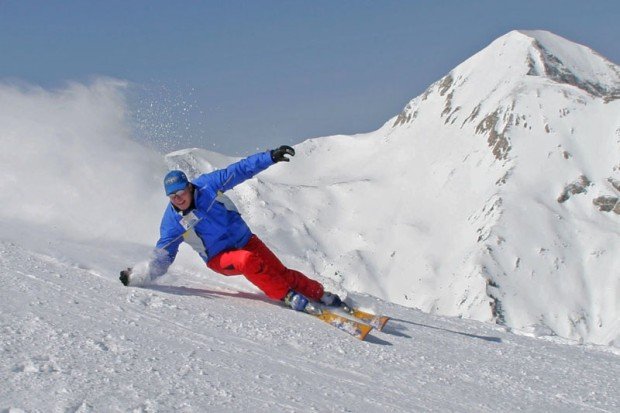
x: 577, y: 187
x: 498, y: 141
x: 607, y: 203
x: 615, y: 183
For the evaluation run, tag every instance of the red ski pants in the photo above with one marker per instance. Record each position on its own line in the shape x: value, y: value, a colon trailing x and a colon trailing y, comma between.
x: 263, y: 269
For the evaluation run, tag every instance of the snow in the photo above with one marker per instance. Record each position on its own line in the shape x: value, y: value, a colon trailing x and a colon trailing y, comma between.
x: 74, y: 338
x: 68, y: 158
x: 407, y: 221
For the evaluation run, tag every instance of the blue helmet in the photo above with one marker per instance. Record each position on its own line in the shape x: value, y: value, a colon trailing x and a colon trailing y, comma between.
x: 175, y: 181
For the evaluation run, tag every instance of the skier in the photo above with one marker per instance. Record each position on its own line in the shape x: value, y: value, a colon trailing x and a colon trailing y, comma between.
x: 200, y: 214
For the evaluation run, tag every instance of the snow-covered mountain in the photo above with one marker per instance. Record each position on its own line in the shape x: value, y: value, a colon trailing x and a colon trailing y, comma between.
x: 539, y: 118
x: 493, y: 195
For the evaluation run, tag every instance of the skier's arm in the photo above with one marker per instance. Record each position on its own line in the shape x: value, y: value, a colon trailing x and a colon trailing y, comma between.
x: 163, y: 256
x: 171, y: 236
x: 236, y: 173
x: 156, y: 266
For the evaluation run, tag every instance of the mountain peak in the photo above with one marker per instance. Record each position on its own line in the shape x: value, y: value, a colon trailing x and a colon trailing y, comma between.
x: 513, y: 63
x: 548, y: 55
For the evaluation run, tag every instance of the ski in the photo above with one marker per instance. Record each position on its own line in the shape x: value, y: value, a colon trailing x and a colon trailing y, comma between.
x: 376, y: 321
x: 356, y: 329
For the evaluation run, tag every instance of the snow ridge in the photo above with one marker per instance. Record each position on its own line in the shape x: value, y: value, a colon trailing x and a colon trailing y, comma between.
x: 572, y: 64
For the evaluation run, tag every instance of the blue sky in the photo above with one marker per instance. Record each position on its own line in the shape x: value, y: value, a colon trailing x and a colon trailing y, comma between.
x: 237, y: 76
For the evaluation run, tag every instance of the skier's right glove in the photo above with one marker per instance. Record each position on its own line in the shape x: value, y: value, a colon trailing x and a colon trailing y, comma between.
x: 125, y: 276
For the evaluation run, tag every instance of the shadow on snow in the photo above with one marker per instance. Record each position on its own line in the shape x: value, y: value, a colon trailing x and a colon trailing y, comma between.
x: 485, y: 338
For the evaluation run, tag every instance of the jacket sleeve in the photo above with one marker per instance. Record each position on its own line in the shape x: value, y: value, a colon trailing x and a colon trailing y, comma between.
x: 234, y: 174
x: 171, y: 236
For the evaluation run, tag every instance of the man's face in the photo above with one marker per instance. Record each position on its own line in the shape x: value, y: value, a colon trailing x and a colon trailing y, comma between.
x: 182, y: 199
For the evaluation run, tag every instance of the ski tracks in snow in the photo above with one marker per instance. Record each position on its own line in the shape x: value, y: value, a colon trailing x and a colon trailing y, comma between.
x: 75, y: 339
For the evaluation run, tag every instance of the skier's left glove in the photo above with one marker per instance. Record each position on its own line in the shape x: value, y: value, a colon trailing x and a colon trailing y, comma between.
x: 278, y: 155
x: 125, y: 276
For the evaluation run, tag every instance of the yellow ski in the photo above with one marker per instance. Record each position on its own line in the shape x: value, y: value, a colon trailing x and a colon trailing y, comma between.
x: 377, y: 321
x: 356, y: 329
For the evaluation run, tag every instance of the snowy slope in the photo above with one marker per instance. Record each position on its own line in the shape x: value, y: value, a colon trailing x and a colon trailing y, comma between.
x: 74, y: 339
x: 481, y: 199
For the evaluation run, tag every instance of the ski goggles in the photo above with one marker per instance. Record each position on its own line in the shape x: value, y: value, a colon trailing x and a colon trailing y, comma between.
x: 178, y: 193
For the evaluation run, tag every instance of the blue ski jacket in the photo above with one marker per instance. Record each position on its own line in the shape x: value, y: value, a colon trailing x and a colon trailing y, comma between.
x: 214, y: 225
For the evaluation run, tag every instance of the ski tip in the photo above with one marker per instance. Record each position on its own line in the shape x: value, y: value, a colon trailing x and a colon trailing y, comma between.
x: 382, y: 322
x: 364, y: 330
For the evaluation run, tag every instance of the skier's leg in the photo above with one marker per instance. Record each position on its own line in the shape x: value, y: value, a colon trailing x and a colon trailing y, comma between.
x: 262, y: 268
x: 294, y: 280
x: 223, y: 264
x: 253, y: 267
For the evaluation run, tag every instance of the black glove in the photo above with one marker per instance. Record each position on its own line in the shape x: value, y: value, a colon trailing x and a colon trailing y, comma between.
x: 125, y: 276
x: 278, y: 154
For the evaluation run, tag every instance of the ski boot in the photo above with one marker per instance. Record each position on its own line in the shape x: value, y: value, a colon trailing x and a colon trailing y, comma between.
x: 296, y: 301
x: 331, y: 300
